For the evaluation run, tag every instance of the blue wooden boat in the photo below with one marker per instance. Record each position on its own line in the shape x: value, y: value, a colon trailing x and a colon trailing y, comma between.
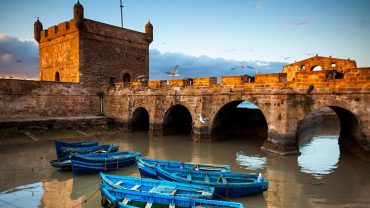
x: 124, y: 198
x: 89, y: 163
x: 147, y: 166
x: 59, y: 144
x: 65, y: 163
x: 226, y: 184
x: 90, y: 150
x: 157, y: 186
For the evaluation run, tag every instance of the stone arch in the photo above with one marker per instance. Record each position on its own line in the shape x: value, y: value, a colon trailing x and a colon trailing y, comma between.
x: 177, y: 120
x: 140, y: 119
x: 350, y: 135
x: 316, y: 68
x: 233, y: 121
x: 57, y: 77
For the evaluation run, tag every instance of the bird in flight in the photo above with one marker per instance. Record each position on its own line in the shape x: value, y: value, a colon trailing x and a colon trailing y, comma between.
x: 242, y: 67
x: 203, y: 120
x: 286, y: 58
x: 174, y: 72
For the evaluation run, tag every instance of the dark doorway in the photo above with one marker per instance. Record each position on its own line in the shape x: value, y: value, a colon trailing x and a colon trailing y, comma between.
x: 57, y: 77
x: 239, y: 119
x: 140, y: 120
x: 126, y: 79
x: 177, y: 120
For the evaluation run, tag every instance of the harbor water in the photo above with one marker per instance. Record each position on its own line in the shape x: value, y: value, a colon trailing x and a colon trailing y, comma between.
x: 322, y: 176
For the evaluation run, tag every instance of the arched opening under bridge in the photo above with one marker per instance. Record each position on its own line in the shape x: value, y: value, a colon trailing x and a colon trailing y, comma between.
x: 177, y: 120
x: 140, y: 120
x: 322, y: 137
x: 239, y: 119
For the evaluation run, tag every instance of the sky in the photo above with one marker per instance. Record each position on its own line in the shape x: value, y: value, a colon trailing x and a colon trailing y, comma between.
x: 205, y: 37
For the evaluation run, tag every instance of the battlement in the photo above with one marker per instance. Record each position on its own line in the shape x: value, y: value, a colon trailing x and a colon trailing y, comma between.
x: 356, y: 78
x: 59, y: 30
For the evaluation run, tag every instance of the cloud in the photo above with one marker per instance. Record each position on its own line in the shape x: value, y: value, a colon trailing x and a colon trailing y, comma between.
x: 204, y: 66
x: 18, y: 58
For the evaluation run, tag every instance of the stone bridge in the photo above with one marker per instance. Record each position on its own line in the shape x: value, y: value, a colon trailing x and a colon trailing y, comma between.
x: 176, y: 106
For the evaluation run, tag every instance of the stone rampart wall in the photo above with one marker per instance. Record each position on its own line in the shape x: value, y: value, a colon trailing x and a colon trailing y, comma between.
x: 24, y: 99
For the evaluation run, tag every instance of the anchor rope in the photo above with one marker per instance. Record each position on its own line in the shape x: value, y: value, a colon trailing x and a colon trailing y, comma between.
x: 87, y: 198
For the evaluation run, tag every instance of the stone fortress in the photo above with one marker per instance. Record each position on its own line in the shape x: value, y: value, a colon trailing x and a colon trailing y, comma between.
x: 93, y: 70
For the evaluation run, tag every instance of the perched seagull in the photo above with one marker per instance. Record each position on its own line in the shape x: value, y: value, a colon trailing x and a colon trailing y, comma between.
x: 141, y: 78
x: 174, y: 72
x: 309, y: 54
x: 203, y: 120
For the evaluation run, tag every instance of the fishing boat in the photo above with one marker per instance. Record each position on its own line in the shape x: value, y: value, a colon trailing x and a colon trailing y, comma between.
x: 90, y: 150
x: 89, y: 163
x: 65, y: 163
x: 59, y: 144
x: 147, y: 166
x: 124, y: 198
x: 156, y: 186
x: 226, y: 184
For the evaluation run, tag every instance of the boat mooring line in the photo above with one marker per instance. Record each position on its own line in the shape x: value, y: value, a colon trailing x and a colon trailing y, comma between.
x: 83, y: 133
x: 87, y: 198
x: 30, y: 135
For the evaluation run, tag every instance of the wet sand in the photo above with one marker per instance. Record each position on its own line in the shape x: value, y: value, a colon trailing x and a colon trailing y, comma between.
x: 319, y: 177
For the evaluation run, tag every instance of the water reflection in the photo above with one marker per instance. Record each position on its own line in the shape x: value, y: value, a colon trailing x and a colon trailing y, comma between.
x: 320, y: 156
x: 251, y: 162
x: 23, y: 196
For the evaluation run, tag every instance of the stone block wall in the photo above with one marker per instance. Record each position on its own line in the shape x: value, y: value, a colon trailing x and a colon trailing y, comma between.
x: 326, y: 63
x: 59, y: 53
x: 24, y: 99
x: 110, y: 51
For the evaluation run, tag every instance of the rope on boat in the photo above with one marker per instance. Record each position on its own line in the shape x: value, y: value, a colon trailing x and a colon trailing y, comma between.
x: 87, y: 198
x: 226, y: 199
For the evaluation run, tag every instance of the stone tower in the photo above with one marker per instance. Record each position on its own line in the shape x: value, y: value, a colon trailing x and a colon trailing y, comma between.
x: 92, y: 53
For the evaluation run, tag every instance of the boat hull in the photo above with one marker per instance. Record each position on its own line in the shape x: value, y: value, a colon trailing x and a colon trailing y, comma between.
x: 251, y: 186
x: 92, y: 163
x: 116, y: 198
x: 157, y: 186
x: 147, y: 166
x: 59, y: 144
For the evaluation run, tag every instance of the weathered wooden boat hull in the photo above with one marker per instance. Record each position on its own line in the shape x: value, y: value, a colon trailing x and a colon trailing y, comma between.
x: 63, y: 164
x: 225, y: 184
x: 92, y: 163
x: 147, y: 166
x: 87, y: 150
x: 157, y: 186
x: 127, y: 198
x: 59, y: 144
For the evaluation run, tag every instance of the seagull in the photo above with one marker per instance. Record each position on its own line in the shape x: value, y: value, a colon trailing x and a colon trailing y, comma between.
x: 203, y: 120
x: 309, y: 54
x: 242, y: 66
x: 19, y: 61
x: 174, y: 72
x: 286, y: 58
x: 141, y: 78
